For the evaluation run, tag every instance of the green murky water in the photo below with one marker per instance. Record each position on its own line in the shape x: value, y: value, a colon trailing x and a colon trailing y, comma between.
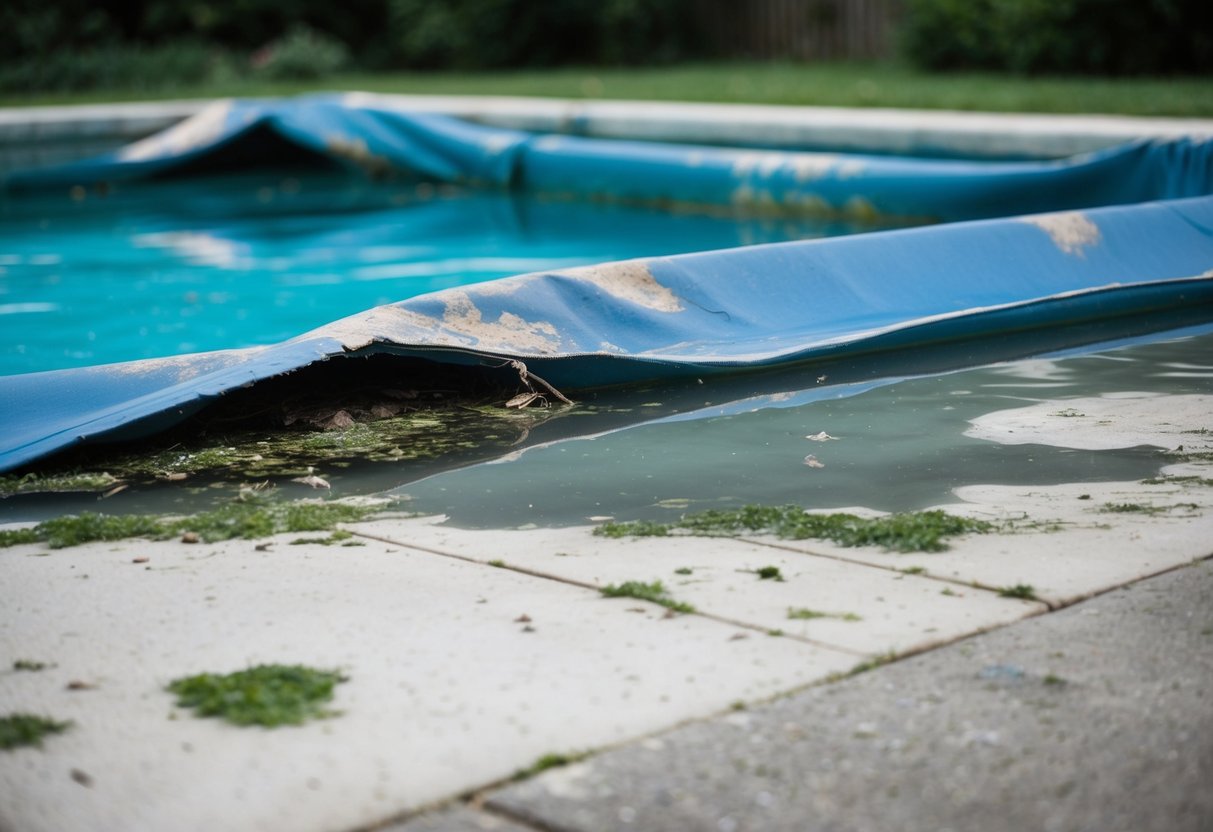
x: 899, y: 424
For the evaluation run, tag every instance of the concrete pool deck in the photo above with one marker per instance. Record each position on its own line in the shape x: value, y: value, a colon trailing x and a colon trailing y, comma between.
x: 473, y: 655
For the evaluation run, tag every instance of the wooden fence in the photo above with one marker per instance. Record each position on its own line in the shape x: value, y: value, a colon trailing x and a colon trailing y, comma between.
x: 800, y: 30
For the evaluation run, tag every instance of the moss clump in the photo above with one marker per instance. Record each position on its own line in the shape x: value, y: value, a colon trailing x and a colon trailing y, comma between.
x: 548, y: 761
x: 60, y: 532
x: 319, y: 517
x: 1024, y: 591
x: 259, y: 453
x: 639, y: 528
x: 66, y: 481
x: 244, y: 519
x: 17, y: 730
x: 270, y: 695
x: 920, y: 531
x: 1178, y: 480
x: 339, y: 537
x: 1128, y: 508
x: 806, y: 614
x: 654, y: 592
x: 769, y: 573
x: 18, y: 537
x: 29, y: 665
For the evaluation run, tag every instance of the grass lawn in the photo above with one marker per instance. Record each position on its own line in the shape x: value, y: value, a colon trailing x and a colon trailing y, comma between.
x: 828, y: 84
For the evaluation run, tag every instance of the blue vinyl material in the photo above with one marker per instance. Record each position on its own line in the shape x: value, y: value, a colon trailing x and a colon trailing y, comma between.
x: 684, y: 315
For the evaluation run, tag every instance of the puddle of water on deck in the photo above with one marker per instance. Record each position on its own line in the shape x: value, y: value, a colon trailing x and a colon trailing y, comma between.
x: 655, y: 453
x: 901, y: 446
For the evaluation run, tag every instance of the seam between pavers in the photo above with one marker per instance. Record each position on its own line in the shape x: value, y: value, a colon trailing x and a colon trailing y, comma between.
x: 534, y: 573
x: 472, y: 800
x: 1049, y: 606
x: 476, y: 799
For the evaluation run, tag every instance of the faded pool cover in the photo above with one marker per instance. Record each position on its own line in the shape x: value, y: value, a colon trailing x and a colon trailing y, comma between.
x: 370, y: 135
x: 695, y: 314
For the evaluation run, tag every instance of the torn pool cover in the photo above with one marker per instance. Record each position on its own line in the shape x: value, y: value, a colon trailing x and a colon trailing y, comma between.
x: 1130, y: 231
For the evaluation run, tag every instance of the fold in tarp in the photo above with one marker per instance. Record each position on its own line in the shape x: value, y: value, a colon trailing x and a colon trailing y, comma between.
x: 688, y: 315
x: 368, y: 134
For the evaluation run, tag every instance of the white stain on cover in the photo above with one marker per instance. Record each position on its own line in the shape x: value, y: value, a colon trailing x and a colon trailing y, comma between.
x: 805, y: 167
x: 200, y: 129
x: 1070, y: 231
x: 508, y: 332
x: 628, y: 280
x: 383, y: 323
x: 183, y: 367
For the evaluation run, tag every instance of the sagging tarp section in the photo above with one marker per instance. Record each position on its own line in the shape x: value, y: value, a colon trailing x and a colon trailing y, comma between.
x: 367, y: 134
x: 689, y: 315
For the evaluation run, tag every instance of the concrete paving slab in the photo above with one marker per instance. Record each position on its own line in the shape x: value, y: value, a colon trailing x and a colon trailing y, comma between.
x: 867, y: 611
x: 1066, y: 541
x: 450, y: 687
x: 1070, y: 541
x: 1095, y: 717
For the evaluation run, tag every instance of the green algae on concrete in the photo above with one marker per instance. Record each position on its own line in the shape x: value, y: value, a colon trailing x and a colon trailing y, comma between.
x: 920, y: 531
x: 269, y: 695
x: 245, y: 519
x: 1025, y: 591
x: 62, y: 482
x: 29, y: 665
x: 18, y: 730
x: 806, y: 614
x: 258, y: 454
x: 654, y: 592
x: 546, y: 762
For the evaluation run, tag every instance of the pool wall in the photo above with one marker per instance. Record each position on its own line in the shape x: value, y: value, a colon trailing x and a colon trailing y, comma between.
x: 32, y: 136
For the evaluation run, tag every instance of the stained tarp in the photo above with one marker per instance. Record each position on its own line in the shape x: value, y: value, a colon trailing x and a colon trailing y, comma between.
x: 368, y: 134
x: 689, y: 315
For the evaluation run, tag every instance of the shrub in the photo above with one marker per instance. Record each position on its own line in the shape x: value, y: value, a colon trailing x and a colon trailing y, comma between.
x: 478, y: 34
x: 301, y: 53
x: 1060, y: 36
x: 117, y: 67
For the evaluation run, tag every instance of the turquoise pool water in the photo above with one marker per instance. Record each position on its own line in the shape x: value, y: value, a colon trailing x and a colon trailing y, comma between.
x: 179, y: 267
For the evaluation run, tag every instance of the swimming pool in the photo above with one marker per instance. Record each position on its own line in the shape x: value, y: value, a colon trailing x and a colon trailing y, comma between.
x: 381, y: 206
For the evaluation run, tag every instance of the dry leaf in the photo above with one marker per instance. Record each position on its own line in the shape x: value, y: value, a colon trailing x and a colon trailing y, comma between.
x: 312, y: 480
x: 522, y: 400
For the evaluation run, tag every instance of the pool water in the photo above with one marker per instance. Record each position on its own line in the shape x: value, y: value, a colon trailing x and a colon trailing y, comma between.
x: 899, y: 445
x: 176, y: 267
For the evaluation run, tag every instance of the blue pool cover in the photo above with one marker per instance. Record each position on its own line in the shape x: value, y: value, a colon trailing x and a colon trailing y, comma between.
x: 1150, y: 248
